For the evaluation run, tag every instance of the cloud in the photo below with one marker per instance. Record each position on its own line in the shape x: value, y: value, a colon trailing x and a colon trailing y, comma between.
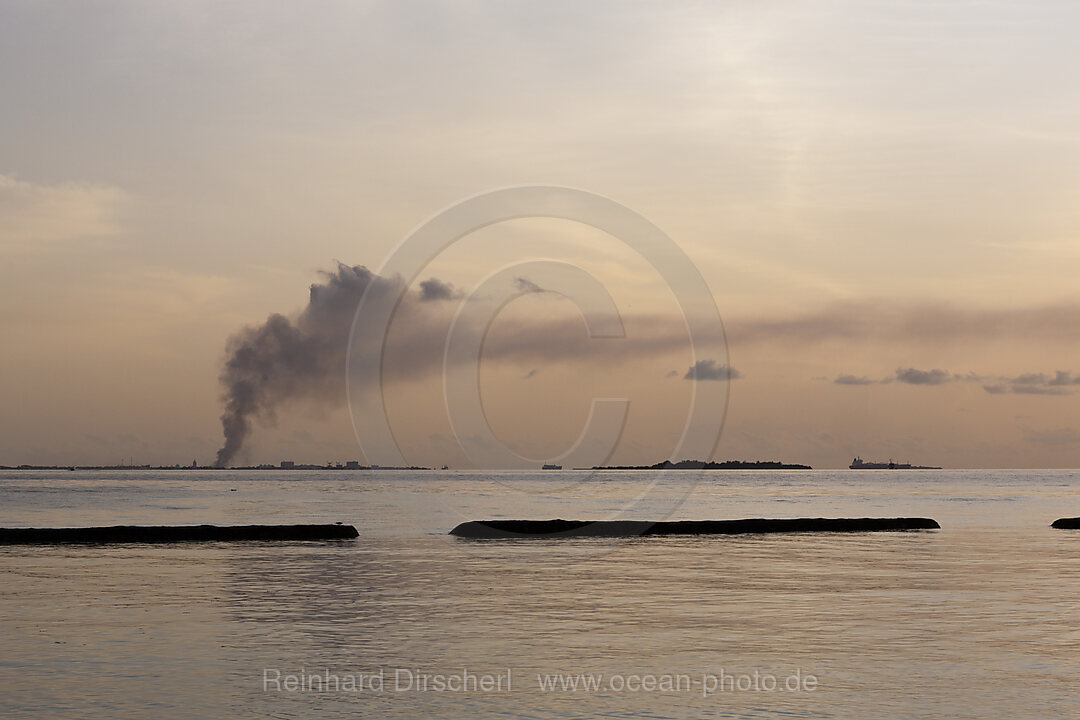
x: 433, y: 289
x: 711, y: 370
x: 852, y: 380
x: 527, y: 285
x: 912, y: 376
x: 33, y: 214
x: 1034, y: 384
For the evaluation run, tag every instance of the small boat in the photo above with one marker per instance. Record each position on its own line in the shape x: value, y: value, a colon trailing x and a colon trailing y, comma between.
x: 552, y: 467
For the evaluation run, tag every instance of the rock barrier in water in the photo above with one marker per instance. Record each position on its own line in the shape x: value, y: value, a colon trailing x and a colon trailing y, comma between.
x: 174, y: 533
x: 628, y: 528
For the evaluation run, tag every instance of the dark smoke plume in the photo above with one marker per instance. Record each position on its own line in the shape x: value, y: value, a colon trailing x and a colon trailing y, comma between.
x: 287, y: 358
x: 434, y: 289
x: 304, y: 357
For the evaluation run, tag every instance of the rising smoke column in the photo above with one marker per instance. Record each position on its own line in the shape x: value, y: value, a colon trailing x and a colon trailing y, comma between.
x: 284, y: 359
x: 303, y: 357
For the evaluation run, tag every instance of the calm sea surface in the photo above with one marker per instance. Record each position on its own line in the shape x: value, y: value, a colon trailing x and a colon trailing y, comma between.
x: 980, y: 619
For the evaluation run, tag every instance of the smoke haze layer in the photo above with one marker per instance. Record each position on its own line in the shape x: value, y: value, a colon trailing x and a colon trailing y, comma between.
x: 303, y: 356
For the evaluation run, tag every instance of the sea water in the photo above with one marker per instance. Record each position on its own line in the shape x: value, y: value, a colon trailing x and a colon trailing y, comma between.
x: 980, y: 619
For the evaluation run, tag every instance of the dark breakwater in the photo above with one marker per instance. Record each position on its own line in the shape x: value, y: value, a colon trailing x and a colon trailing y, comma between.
x: 628, y: 528
x: 174, y: 533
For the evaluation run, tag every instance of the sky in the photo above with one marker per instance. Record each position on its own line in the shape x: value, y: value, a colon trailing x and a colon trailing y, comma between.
x: 880, y: 196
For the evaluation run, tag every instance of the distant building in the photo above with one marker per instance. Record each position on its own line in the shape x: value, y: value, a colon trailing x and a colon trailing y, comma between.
x: 352, y: 464
x: 287, y: 464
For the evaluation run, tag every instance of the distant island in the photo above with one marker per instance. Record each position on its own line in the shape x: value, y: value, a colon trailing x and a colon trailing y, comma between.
x: 356, y: 465
x: 702, y: 465
x: 859, y: 464
x: 284, y: 465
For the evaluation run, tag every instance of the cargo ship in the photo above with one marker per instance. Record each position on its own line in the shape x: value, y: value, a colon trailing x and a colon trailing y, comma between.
x: 859, y: 464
